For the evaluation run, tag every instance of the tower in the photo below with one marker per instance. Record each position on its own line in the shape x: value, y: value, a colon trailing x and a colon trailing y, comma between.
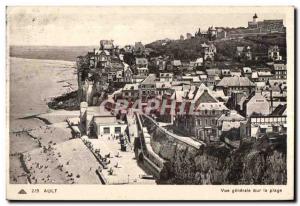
x: 254, y: 18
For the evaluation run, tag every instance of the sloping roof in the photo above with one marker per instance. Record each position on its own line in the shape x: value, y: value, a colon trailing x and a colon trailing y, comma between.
x: 203, y: 76
x: 279, y: 110
x: 235, y: 81
x: 247, y: 70
x: 240, y: 48
x: 218, y: 93
x: 196, y: 92
x: 232, y: 116
x: 131, y: 87
x: 257, y: 96
x: 176, y: 63
x: 193, y: 78
x: 199, y: 60
x: 238, y: 74
x: 226, y: 126
x: 264, y: 73
x: 150, y: 79
x: 127, y: 69
x: 254, y: 75
x: 98, y: 52
x: 241, y: 102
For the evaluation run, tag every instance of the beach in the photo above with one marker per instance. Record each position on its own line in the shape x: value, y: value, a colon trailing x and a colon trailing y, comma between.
x: 40, y: 141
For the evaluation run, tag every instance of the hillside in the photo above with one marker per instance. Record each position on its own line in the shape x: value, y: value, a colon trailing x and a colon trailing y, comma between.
x: 189, y: 49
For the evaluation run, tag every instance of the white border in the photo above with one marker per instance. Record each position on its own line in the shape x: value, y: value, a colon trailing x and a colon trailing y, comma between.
x: 111, y: 2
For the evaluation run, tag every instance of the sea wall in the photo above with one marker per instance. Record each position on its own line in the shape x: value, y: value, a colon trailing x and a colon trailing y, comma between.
x: 254, y: 162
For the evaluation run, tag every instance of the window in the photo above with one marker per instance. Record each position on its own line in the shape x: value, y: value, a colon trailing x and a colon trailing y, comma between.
x: 106, y: 130
x: 117, y: 130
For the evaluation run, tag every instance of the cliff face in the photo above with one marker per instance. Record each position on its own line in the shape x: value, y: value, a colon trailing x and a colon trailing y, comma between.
x: 254, y: 162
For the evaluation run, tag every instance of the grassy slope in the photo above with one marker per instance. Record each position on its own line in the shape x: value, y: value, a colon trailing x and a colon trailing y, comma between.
x: 189, y: 49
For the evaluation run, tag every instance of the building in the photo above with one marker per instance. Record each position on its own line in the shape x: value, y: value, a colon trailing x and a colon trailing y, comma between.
x: 128, y: 74
x: 208, y: 51
x: 236, y: 72
x: 213, y: 77
x: 280, y: 71
x: 97, y: 122
x: 162, y: 64
x: 253, y: 24
x: 128, y: 49
x: 142, y: 71
x: 199, y: 62
x: 243, y: 53
x: 130, y: 91
x: 229, y: 121
x: 256, y: 104
x: 202, y: 124
x: 225, y: 73
x: 147, y: 88
x: 266, y: 26
x: 212, y: 33
x: 264, y: 76
x: 141, y: 62
x: 176, y: 65
x: 247, y: 72
x: 188, y: 36
x: 139, y: 48
x: 106, y: 126
x: 259, y: 126
x: 166, y: 77
x: 274, y: 53
x: 229, y: 84
x: 102, y: 58
x: 107, y: 45
x: 163, y: 88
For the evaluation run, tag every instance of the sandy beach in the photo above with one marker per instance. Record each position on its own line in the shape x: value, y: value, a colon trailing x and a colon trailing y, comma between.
x: 39, y: 138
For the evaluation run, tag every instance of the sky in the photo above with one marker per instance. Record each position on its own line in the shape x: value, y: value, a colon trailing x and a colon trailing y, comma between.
x: 84, y: 26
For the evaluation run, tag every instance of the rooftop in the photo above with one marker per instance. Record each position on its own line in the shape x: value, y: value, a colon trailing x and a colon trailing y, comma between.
x: 235, y: 82
x: 151, y: 79
x: 232, y: 116
x: 131, y: 87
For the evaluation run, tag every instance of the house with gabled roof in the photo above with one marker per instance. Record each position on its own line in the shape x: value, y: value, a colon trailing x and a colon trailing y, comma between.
x: 256, y: 104
x: 202, y: 123
x: 229, y: 84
